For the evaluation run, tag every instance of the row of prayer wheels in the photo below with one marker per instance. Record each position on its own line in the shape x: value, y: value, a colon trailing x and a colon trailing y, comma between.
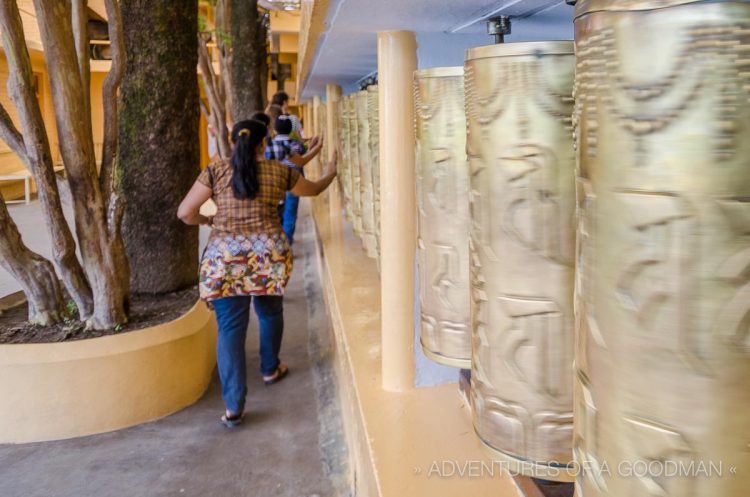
x: 360, y: 171
x: 584, y: 243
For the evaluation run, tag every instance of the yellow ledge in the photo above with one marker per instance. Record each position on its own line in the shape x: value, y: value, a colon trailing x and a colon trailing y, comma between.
x: 55, y: 391
x: 420, y: 443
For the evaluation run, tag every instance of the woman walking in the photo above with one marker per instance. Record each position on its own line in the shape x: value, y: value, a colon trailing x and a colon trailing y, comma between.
x: 248, y: 258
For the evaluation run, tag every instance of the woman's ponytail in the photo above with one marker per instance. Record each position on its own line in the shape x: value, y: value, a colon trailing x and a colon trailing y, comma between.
x: 247, y: 136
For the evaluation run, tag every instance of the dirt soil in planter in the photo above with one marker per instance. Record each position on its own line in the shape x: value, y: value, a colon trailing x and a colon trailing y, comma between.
x: 145, y: 311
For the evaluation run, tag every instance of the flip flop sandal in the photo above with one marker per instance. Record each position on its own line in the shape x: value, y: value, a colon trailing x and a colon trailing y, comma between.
x: 279, y: 375
x: 232, y: 421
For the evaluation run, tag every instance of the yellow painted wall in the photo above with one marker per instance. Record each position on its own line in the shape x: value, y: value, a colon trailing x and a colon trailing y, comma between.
x: 290, y: 85
x: 97, y: 112
x: 288, y: 42
x: 285, y: 22
x: 289, y: 58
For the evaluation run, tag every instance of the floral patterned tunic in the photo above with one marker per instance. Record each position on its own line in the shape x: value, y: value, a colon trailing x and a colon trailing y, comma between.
x: 248, y: 252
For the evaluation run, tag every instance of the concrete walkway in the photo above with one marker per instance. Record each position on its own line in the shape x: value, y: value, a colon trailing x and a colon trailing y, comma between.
x: 276, y: 453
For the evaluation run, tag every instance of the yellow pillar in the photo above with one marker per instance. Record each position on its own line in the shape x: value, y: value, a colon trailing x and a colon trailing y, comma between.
x: 397, y: 61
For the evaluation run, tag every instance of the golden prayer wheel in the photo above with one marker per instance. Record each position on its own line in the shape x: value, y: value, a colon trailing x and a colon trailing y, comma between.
x: 353, y: 143
x: 344, y: 172
x: 321, y: 125
x: 443, y: 199
x: 374, y: 142
x: 521, y: 160
x: 322, y: 157
x: 663, y: 285
x: 367, y: 207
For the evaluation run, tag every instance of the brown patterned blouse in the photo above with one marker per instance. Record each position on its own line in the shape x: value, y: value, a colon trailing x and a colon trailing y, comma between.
x: 260, y: 215
x: 248, y: 252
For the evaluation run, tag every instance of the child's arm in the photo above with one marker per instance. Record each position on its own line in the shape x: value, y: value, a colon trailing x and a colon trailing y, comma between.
x: 302, y: 160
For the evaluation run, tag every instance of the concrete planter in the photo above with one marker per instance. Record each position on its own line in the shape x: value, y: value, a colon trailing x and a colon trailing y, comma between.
x: 63, y: 390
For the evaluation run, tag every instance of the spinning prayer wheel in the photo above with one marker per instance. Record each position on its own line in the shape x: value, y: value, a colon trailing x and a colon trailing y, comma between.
x: 344, y: 171
x: 443, y: 200
x: 374, y: 142
x: 354, y: 171
x: 663, y: 282
x: 521, y: 160
x: 367, y: 204
x: 322, y: 158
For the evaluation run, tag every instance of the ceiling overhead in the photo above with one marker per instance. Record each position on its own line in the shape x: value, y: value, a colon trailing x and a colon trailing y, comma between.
x: 347, y: 48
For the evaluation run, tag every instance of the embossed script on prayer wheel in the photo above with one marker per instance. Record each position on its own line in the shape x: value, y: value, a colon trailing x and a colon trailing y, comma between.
x: 663, y: 287
x: 323, y: 113
x: 443, y: 199
x: 344, y: 167
x: 374, y: 142
x: 354, y: 173
x: 518, y: 105
x: 367, y: 205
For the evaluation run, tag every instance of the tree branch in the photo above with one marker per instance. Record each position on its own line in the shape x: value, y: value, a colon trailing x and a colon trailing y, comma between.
x: 10, y: 135
x: 101, y: 256
x: 217, y: 117
x: 109, y: 95
x: 80, y: 20
x: 38, y: 156
x: 34, y: 273
x: 223, y: 28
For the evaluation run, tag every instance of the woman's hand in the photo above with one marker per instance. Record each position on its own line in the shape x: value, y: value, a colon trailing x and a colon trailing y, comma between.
x: 316, y: 145
x: 307, y: 188
x: 313, y: 151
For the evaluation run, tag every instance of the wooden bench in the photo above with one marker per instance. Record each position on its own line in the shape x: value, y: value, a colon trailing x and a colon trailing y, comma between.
x: 25, y: 176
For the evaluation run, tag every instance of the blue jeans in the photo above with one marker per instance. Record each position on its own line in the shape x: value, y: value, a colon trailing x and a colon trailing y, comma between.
x: 289, y: 221
x: 233, y: 317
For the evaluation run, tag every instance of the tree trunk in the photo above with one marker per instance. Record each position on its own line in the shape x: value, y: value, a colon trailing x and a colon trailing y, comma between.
x: 109, y: 103
x: 216, y: 111
x: 34, y: 273
x: 262, y: 57
x: 79, y: 22
x: 224, y: 44
x: 34, y: 150
x: 159, y: 151
x: 246, y: 63
x: 101, y: 248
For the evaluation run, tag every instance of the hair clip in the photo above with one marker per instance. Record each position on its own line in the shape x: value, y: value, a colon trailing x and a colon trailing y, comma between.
x: 244, y: 131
